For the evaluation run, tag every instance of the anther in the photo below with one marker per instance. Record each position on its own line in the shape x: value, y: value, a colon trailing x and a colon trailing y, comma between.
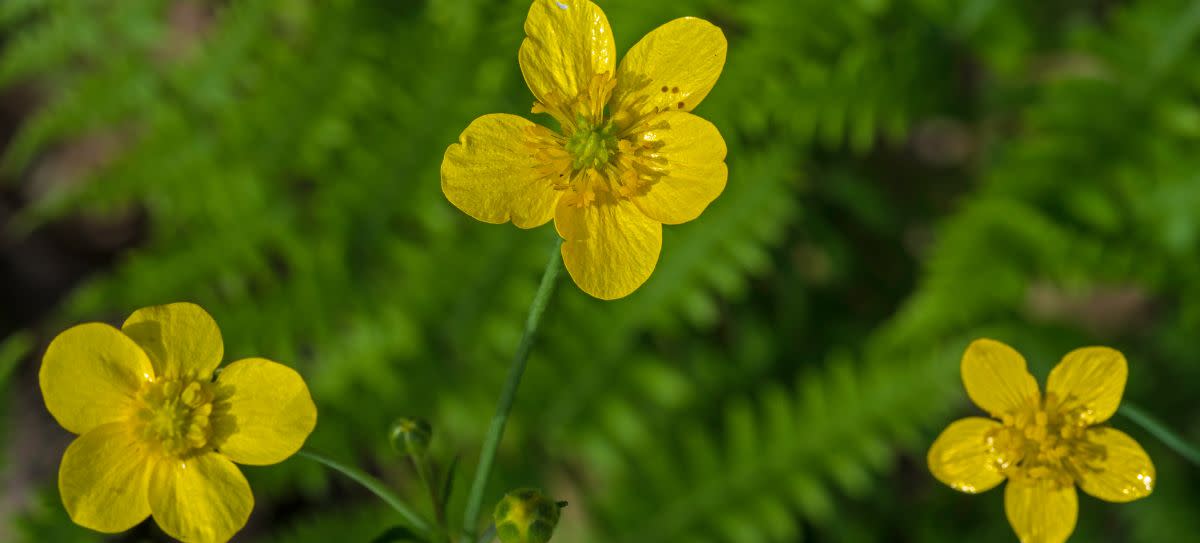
x: 176, y: 414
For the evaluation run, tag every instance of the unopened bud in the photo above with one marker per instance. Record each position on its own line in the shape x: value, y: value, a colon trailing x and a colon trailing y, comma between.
x: 526, y: 516
x: 411, y: 436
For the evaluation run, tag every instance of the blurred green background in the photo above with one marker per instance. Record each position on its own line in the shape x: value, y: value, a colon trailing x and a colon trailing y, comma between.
x: 904, y: 177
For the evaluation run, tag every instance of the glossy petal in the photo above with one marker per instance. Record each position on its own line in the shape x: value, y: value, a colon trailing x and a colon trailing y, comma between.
x: 265, y: 412
x: 996, y: 377
x: 694, y: 155
x: 677, y: 63
x: 90, y: 374
x: 1125, y: 474
x: 610, y: 248
x: 567, y: 43
x: 1041, y: 510
x: 203, y: 499
x: 962, y: 459
x: 492, y: 174
x: 103, y: 479
x: 180, y: 338
x: 1092, y: 380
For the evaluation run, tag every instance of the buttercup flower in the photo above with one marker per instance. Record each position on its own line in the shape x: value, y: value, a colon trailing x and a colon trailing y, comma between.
x: 1044, y: 445
x: 157, y: 434
x: 628, y: 158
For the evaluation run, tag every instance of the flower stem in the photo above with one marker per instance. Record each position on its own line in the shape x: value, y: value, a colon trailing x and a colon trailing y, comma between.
x: 1160, y: 431
x: 415, y: 521
x: 425, y: 472
x: 496, y: 431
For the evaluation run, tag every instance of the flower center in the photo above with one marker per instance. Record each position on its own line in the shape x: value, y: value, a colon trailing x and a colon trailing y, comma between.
x: 175, y: 413
x: 1044, y: 442
x: 592, y: 146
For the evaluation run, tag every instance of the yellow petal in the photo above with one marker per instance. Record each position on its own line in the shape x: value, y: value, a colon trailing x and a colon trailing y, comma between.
x: 1125, y: 473
x: 996, y: 378
x: 693, y: 156
x: 610, y: 248
x: 1041, y: 510
x: 1091, y: 380
x: 567, y: 43
x: 492, y: 173
x: 962, y: 459
x: 103, y: 479
x: 265, y: 412
x: 203, y: 499
x: 180, y: 338
x: 676, y: 64
x: 90, y: 374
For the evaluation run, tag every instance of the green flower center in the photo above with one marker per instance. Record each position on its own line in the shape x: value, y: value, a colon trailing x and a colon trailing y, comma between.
x: 1043, y: 442
x: 592, y: 146
x: 176, y: 413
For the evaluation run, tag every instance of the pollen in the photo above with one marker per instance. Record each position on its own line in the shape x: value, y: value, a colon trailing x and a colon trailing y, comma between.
x: 176, y: 414
x: 1044, y: 442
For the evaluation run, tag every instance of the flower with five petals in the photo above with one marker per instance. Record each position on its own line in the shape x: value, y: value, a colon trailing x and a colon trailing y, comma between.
x: 628, y: 157
x: 158, y: 435
x: 1043, y: 444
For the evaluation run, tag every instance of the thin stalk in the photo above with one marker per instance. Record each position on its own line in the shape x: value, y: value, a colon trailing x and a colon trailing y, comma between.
x: 414, y: 520
x: 509, y: 393
x: 425, y: 472
x: 1160, y: 431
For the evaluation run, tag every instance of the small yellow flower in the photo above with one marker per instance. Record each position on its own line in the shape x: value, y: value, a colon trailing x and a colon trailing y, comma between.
x: 1043, y: 445
x: 157, y: 434
x: 629, y: 156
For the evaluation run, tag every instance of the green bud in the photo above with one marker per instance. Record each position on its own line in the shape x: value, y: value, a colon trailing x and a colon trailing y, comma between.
x: 411, y: 436
x: 526, y: 516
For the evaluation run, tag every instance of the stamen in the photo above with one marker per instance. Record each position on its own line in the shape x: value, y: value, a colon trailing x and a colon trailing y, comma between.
x: 1043, y: 442
x: 175, y: 414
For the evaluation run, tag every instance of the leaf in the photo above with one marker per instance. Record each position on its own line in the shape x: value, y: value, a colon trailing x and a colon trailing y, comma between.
x: 448, y: 483
x: 13, y: 349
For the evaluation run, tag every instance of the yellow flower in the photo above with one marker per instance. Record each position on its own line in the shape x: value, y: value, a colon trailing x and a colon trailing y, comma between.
x: 629, y: 156
x: 157, y: 434
x: 1043, y: 444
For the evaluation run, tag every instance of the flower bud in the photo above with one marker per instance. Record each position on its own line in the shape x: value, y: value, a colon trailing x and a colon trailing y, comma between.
x: 526, y: 516
x: 411, y: 436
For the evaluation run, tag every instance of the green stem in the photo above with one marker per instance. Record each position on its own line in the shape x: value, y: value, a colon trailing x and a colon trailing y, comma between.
x: 1160, y: 431
x: 496, y: 431
x: 415, y: 521
x: 425, y: 472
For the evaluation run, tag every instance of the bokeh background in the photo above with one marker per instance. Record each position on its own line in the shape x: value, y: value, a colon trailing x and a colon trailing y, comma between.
x: 905, y: 176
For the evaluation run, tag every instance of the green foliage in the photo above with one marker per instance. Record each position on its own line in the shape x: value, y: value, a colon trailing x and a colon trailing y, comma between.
x: 904, y: 177
x: 362, y: 523
x: 778, y: 454
x: 46, y: 520
x: 12, y: 350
